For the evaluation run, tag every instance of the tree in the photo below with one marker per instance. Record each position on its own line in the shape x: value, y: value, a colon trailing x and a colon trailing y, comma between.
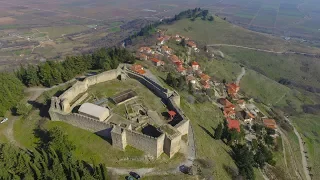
x: 23, y: 108
x: 244, y: 160
x: 268, y: 140
x: 263, y: 155
x: 59, y: 141
x: 211, y: 18
x: 183, y: 42
x: 218, y: 131
x: 11, y: 92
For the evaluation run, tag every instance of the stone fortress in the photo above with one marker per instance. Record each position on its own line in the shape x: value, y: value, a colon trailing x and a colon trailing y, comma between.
x: 133, y: 129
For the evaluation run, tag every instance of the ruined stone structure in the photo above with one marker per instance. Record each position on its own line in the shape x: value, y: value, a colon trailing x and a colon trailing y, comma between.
x: 169, y: 139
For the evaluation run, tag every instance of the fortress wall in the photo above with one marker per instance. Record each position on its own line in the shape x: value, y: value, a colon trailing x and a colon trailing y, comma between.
x: 82, y: 98
x: 154, y: 87
x: 84, y: 122
x: 151, y: 145
x: 82, y: 86
x: 183, y: 121
x: 119, y: 138
x: 171, y: 145
x: 102, y: 77
x: 183, y: 127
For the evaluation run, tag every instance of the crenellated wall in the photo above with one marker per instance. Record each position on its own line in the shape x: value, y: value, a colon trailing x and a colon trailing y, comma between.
x: 82, y: 86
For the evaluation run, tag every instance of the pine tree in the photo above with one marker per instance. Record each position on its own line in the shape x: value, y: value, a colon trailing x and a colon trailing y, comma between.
x: 218, y: 131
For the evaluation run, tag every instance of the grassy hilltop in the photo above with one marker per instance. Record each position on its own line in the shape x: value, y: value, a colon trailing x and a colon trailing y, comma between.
x: 264, y: 72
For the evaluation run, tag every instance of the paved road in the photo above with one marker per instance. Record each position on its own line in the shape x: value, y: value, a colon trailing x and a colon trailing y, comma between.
x: 263, y: 50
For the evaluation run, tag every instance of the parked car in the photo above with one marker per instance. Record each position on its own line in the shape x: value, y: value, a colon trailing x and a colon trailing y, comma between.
x: 4, y: 120
x: 135, y: 175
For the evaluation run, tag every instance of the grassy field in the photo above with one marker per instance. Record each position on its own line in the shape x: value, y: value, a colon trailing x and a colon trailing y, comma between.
x: 222, y: 32
x: 58, y: 31
x: 204, y: 118
x: 263, y: 71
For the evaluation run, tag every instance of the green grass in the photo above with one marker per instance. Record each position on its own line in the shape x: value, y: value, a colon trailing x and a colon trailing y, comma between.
x: 205, y: 117
x: 111, y: 88
x: 115, y: 29
x: 222, y: 32
x: 309, y: 125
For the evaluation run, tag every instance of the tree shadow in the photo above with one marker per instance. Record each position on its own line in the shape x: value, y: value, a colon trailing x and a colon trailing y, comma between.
x: 207, y: 131
x: 43, y: 108
x: 43, y: 135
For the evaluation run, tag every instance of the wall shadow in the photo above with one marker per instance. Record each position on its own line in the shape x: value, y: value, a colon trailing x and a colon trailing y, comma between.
x: 207, y: 131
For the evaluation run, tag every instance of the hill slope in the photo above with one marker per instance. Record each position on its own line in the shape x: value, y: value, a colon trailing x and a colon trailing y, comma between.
x: 264, y: 71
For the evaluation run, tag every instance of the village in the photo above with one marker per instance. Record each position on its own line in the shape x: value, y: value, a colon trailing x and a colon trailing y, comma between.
x: 238, y: 110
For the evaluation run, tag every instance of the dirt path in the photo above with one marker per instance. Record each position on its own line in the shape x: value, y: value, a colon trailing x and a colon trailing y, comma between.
x: 302, y: 150
x: 287, y: 145
x: 243, y: 72
x: 263, y: 50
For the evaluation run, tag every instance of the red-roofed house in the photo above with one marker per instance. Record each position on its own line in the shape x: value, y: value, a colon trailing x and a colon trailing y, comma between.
x: 249, y: 117
x: 174, y: 58
x: 145, y: 50
x: 270, y: 123
x: 192, y: 44
x: 166, y: 50
x: 233, y: 89
x: 157, y: 62
x: 171, y: 114
x: 205, y: 84
x: 160, y: 41
x: 233, y: 124
x: 181, y: 70
x: 142, y: 57
x: 195, y: 65
x: 226, y: 103
x: 229, y: 112
x: 204, y: 77
x: 138, y: 69
x: 178, y: 63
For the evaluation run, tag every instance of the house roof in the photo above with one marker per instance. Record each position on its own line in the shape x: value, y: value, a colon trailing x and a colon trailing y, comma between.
x: 191, y: 43
x: 174, y: 58
x: 160, y: 39
x: 250, y: 115
x: 205, y: 77
x: 194, y: 63
x: 229, y: 112
x: 94, y: 111
x: 138, y: 68
x: 233, y: 88
x: 233, y: 124
x: 241, y: 101
x: 155, y: 60
x: 172, y: 113
x: 178, y: 63
x: 190, y: 78
x: 181, y: 68
x: 144, y: 49
x: 270, y: 123
x: 206, y: 85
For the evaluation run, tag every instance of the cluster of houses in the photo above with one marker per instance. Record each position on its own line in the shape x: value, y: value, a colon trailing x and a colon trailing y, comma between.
x: 241, y: 112
x: 236, y: 113
x: 191, y: 71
